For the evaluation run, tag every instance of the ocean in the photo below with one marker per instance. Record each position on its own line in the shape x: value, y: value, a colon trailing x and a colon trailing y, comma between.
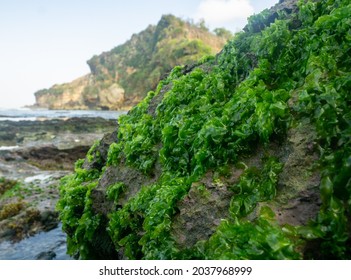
x: 26, y: 114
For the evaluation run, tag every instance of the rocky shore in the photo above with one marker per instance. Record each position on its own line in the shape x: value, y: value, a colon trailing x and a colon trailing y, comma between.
x: 34, y: 156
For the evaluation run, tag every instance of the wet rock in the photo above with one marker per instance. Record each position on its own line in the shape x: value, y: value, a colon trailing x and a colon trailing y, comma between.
x: 60, y: 132
x: 29, y: 210
x: 6, y: 184
x: 7, y: 233
x: 50, y: 157
x: 49, y: 219
x: 50, y: 255
x: 23, y: 224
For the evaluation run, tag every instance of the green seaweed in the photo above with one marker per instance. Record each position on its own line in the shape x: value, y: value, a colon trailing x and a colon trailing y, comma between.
x: 263, y: 83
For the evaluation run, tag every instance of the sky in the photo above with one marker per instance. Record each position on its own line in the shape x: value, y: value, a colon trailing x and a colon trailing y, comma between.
x: 43, y: 43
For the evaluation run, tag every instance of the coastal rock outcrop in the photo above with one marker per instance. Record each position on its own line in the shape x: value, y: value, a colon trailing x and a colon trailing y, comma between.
x: 245, y: 155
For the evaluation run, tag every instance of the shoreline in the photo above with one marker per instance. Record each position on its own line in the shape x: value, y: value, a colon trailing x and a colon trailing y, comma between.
x: 34, y: 156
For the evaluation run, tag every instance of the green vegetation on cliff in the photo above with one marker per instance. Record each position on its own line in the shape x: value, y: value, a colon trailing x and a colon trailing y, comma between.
x: 121, y: 77
x: 214, y: 162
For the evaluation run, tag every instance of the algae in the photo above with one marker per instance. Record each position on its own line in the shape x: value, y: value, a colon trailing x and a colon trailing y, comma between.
x: 268, y: 117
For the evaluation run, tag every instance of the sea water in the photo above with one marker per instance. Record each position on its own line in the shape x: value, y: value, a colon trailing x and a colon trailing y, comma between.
x: 25, y: 114
x: 51, y: 243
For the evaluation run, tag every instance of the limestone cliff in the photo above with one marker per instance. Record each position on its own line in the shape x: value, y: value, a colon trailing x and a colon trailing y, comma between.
x: 122, y: 77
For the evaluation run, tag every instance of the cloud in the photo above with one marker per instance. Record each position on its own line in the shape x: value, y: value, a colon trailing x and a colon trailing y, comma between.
x: 217, y: 12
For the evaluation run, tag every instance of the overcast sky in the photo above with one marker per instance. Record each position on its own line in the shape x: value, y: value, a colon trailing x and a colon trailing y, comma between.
x: 47, y: 42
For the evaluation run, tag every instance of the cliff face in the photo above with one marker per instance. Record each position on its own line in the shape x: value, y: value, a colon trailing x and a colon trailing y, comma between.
x: 242, y: 156
x: 122, y: 77
x: 60, y: 96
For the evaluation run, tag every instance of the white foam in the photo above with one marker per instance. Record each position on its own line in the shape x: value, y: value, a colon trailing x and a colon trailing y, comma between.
x: 8, y: 148
x: 40, y: 177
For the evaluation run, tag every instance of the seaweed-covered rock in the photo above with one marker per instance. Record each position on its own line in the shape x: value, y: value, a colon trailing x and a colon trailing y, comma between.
x: 27, y: 208
x: 245, y: 155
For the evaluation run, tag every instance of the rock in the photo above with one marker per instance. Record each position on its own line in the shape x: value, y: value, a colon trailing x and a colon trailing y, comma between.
x: 201, y: 211
x: 7, y: 234
x: 29, y: 209
x: 229, y: 159
x: 6, y: 184
x: 62, y: 133
x: 51, y: 144
x: 131, y: 178
x: 52, y: 158
x: 49, y: 219
x: 50, y: 255
x: 270, y: 15
x: 100, y: 151
x: 112, y: 95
